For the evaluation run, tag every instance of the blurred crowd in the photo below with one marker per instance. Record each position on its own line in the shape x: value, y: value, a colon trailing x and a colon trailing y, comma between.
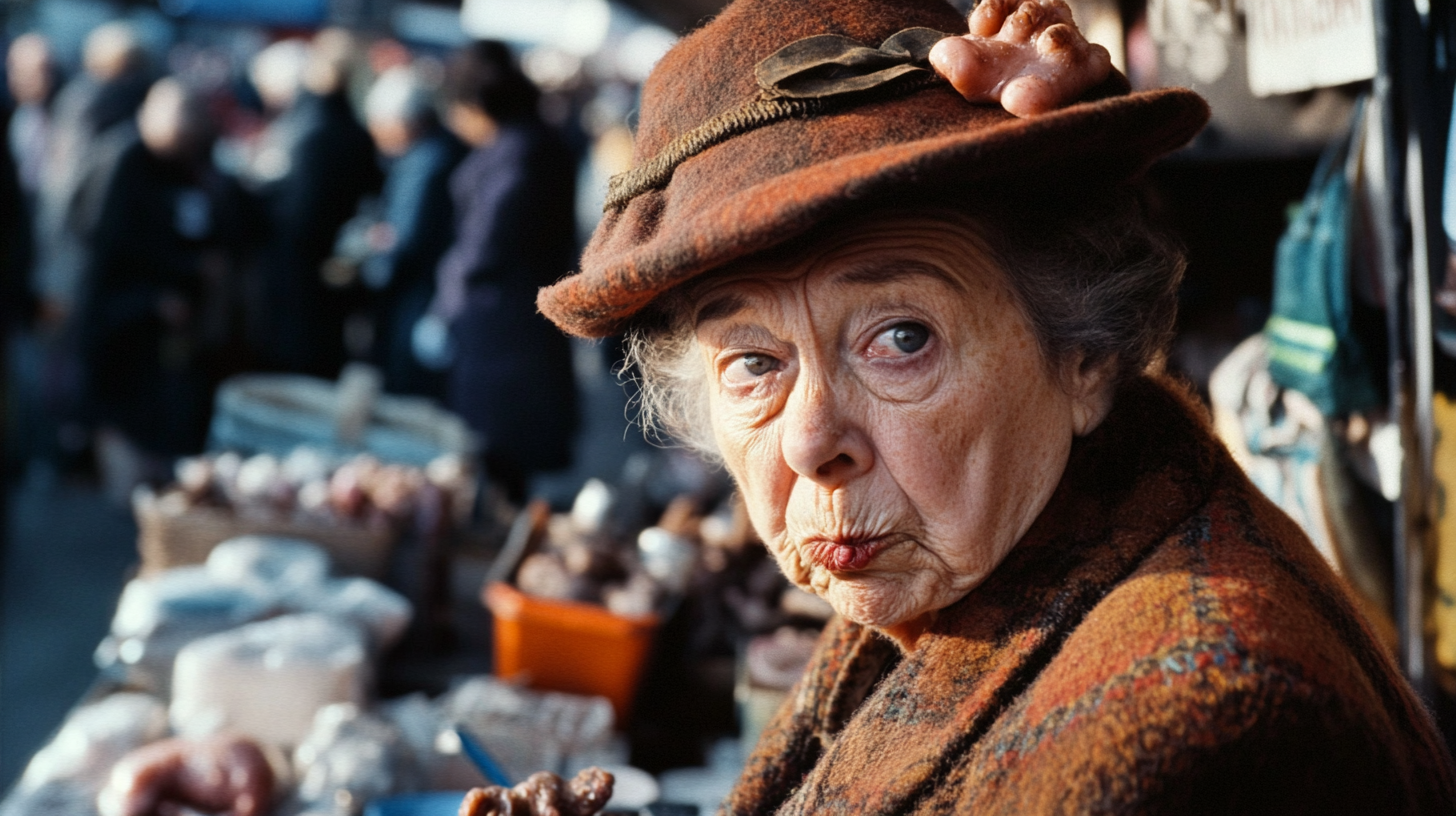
x: 345, y: 200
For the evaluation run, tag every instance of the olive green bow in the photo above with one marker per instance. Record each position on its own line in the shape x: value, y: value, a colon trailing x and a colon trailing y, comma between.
x: 832, y: 65
x: 809, y: 77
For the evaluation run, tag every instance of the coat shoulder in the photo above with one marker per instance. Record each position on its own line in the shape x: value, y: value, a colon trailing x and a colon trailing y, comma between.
x: 1228, y: 673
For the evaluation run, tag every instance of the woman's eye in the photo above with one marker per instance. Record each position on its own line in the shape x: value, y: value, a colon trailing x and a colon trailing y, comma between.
x: 751, y: 366
x: 900, y: 339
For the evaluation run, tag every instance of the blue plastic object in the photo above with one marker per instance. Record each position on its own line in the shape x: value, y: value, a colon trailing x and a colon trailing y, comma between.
x: 441, y: 803
x: 299, y: 13
x: 482, y: 759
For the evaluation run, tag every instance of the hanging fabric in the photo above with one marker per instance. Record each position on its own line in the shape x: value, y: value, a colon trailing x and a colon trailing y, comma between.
x: 1312, y: 346
x: 1308, y: 465
x: 1446, y: 295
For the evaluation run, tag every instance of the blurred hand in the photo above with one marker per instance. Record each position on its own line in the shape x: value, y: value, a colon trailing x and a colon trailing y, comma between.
x: 1026, y: 54
x: 543, y: 794
x: 222, y: 774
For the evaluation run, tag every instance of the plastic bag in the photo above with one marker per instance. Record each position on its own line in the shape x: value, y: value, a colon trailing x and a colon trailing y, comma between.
x: 158, y: 615
x: 350, y: 757
x: 527, y: 731
x: 382, y: 612
x: 64, y: 776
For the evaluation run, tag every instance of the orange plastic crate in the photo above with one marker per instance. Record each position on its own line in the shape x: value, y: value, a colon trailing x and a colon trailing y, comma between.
x: 567, y: 646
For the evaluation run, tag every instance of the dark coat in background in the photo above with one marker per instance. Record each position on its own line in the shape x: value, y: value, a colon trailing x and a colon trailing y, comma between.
x: 332, y: 165
x: 155, y: 225
x: 1162, y: 641
x: 417, y: 207
x: 87, y: 112
x: 16, y: 297
x: 512, y: 378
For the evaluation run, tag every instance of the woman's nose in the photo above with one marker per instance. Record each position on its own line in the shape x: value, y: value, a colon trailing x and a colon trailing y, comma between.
x: 822, y: 440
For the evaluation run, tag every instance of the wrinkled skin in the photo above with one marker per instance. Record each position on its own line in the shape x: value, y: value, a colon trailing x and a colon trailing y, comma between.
x: 885, y: 408
x: 1025, y: 54
x: 222, y: 774
x: 543, y: 794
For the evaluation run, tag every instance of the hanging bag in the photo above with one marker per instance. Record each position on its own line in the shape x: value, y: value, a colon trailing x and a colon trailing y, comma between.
x: 1312, y: 347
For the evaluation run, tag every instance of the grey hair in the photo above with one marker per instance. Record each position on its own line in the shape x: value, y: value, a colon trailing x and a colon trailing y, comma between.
x: 672, y: 397
x: 1098, y: 282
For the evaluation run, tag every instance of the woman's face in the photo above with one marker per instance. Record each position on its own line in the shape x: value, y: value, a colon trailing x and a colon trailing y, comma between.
x: 887, y: 413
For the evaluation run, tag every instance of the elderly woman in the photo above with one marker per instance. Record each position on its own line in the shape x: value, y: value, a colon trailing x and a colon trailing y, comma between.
x: 923, y: 336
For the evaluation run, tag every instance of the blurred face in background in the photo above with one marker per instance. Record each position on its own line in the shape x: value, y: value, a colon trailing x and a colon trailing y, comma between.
x: 471, y: 123
x: 398, y: 110
x: 277, y: 73
x: 173, y: 123
x: 330, y: 60
x: 393, y: 137
x: 30, y: 70
x: 113, y: 50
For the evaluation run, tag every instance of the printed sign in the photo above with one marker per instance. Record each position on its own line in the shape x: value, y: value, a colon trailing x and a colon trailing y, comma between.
x: 1296, y: 45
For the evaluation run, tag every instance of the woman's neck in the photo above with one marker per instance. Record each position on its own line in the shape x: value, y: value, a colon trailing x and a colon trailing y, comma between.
x: 907, y: 634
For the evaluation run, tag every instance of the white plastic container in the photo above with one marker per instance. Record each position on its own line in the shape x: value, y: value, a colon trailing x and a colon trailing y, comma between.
x: 268, y: 679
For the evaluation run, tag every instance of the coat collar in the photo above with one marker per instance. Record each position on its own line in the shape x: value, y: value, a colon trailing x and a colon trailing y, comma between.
x: 1127, y: 485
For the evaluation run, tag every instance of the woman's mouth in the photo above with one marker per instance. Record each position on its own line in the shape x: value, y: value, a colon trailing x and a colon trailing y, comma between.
x: 846, y: 554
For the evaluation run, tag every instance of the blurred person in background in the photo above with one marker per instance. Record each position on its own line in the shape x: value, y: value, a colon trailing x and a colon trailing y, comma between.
x: 15, y: 300
x: 276, y: 73
x: 331, y: 165
x: 510, y: 374
x: 104, y: 97
x: 33, y: 77
x: 14, y: 306
x: 165, y: 221
x: 416, y: 226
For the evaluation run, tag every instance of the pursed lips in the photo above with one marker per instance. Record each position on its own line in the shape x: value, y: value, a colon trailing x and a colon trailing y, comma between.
x: 847, y: 553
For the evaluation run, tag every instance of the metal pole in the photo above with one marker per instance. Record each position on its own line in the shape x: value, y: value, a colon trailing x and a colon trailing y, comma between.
x: 1411, y: 581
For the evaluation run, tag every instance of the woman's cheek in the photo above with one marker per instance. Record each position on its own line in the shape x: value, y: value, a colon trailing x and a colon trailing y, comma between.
x: 902, y: 382
x: 795, y: 565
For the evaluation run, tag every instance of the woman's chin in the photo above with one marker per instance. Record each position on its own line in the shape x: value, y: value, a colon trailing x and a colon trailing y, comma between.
x: 872, y: 602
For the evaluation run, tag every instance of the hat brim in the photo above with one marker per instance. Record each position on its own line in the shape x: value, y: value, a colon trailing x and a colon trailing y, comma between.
x: 764, y: 188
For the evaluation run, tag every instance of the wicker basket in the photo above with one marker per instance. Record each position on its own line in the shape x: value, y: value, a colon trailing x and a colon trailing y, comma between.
x: 169, y: 540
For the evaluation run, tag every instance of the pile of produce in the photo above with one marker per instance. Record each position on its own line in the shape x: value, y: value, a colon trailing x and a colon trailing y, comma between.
x: 311, y: 487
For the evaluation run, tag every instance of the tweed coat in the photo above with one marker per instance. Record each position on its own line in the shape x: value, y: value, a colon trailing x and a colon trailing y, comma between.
x: 1162, y: 640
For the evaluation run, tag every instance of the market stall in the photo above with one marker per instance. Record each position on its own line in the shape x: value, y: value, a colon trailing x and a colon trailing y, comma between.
x: 334, y: 582
x: 308, y: 587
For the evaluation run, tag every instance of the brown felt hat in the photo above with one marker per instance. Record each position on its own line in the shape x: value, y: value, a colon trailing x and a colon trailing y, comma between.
x: 758, y: 127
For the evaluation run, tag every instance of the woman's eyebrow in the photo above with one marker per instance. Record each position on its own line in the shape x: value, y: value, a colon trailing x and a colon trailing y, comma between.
x: 718, y: 308
x: 871, y: 274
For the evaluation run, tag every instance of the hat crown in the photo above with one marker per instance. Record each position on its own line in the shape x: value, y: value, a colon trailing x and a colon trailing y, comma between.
x: 711, y: 71
x: 725, y: 168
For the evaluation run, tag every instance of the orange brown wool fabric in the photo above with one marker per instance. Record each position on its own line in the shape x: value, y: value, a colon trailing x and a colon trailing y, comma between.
x: 1163, y: 640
